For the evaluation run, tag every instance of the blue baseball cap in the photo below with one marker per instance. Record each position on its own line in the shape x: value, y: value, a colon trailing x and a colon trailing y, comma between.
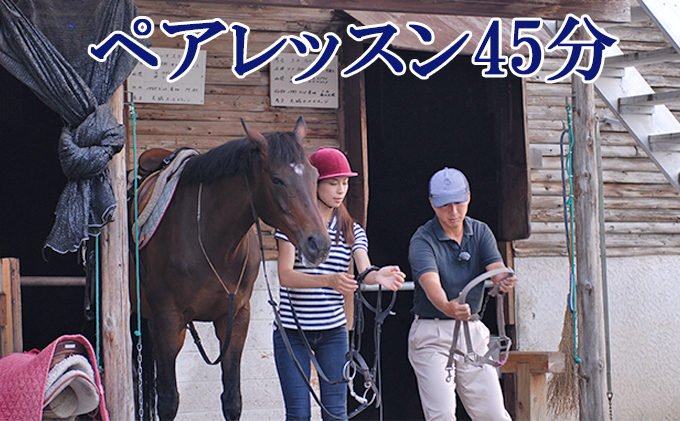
x: 448, y: 186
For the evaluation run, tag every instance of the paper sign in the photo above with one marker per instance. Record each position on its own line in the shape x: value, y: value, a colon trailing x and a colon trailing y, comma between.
x: 320, y: 92
x: 151, y: 85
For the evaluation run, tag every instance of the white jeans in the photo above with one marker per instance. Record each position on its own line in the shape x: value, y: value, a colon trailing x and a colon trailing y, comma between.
x: 429, y: 342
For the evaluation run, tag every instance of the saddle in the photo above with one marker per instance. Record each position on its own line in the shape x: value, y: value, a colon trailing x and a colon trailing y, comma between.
x: 158, y: 174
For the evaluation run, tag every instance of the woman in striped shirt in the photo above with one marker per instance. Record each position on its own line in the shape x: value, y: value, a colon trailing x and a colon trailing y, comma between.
x: 317, y: 294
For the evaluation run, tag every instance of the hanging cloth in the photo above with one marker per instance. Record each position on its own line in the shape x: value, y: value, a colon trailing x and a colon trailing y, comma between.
x: 43, y: 43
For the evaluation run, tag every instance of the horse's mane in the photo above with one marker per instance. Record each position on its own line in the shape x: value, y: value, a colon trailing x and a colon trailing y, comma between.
x: 240, y: 156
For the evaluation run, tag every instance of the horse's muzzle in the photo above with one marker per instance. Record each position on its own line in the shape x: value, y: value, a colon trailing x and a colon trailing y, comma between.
x: 316, y: 248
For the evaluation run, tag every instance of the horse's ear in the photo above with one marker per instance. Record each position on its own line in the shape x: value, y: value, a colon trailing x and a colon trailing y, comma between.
x: 300, y: 130
x: 255, y: 137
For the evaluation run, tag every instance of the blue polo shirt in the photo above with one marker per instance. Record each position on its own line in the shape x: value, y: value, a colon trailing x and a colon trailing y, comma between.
x: 431, y: 250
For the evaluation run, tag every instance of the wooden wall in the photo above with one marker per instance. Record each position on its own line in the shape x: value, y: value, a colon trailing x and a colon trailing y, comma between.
x: 641, y: 208
x: 228, y: 98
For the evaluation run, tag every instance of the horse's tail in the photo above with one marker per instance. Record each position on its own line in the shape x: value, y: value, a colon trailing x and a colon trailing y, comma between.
x: 148, y: 370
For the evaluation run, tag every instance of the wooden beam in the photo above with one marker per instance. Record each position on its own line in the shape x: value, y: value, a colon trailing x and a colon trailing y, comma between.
x: 354, y: 138
x: 590, y: 308
x: 116, y: 340
x: 10, y: 307
x: 651, y: 99
x: 599, y: 11
x: 642, y: 58
x: 53, y: 281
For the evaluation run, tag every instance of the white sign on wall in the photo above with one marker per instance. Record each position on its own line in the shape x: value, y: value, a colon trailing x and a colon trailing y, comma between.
x: 320, y: 92
x: 151, y: 85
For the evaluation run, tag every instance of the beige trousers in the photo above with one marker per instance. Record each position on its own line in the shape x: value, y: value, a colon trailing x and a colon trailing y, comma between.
x: 429, y: 342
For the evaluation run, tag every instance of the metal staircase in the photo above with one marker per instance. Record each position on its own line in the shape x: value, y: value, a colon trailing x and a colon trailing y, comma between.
x: 642, y: 111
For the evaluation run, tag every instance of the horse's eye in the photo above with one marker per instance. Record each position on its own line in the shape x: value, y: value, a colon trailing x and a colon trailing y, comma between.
x: 277, y: 181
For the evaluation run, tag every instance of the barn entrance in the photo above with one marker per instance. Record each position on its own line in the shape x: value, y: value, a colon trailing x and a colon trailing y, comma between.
x: 32, y: 181
x: 458, y: 119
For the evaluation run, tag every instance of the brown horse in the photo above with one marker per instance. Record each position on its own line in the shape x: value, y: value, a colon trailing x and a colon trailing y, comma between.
x: 204, y: 247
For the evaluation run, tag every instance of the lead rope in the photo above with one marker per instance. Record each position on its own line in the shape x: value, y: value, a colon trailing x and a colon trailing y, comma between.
x: 138, y: 332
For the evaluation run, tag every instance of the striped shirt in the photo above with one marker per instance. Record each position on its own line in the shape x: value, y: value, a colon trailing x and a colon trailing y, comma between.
x: 320, y: 308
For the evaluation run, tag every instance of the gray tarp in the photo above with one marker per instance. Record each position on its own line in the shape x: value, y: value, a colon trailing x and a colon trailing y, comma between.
x: 43, y: 43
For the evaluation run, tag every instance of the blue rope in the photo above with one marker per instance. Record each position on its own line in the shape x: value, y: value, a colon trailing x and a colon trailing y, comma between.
x: 138, y: 332
x: 133, y: 116
x: 568, y: 202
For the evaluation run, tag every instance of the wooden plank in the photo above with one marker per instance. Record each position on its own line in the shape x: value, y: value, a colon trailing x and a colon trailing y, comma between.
x: 631, y: 191
x: 6, y: 333
x: 510, y: 124
x: 53, y: 281
x: 651, y: 99
x: 642, y: 177
x: 642, y: 58
x: 602, y: 11
x: 665, y: 142
x: 115, y: 319
x: 10, y: 307
x: 537, y: 361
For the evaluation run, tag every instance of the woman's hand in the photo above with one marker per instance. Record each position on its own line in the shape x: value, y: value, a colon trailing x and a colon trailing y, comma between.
x: 391, y: 277
x: 342, y: 282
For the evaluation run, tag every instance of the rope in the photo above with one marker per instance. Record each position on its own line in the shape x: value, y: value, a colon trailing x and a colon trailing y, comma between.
x: 138, y: 332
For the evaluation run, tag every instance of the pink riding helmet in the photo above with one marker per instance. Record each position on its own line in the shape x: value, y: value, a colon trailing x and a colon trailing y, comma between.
x: 331, y: 163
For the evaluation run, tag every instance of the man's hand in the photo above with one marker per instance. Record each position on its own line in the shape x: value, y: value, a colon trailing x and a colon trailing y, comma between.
x: 507, y: 283
x: 457, y: 310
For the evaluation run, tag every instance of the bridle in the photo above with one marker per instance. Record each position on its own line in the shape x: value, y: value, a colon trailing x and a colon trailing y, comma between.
x: 231, y: 294
x: 501, y: 345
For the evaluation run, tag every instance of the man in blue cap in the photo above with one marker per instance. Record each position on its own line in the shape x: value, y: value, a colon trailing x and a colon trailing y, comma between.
x: 445, y: 254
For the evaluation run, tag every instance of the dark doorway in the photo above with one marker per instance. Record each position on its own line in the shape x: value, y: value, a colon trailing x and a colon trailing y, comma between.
x: 31, y: 182
x: 456, y: 118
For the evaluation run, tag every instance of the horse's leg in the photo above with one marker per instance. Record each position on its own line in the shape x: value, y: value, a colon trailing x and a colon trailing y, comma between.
x: 168, y: 336
x: 148, y: 370
x: 231, y: 364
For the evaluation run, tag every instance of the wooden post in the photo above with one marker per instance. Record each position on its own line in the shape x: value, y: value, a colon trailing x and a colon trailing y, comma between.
x: 10, y: 307
x: 354, y: 137
x: 116, y: 340
x: 590, y: 307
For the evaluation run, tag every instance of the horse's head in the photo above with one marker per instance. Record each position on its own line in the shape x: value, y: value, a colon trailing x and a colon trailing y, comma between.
x: 286, y: 194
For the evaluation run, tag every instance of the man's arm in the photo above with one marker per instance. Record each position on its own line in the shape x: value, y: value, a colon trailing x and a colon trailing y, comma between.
x: 435, y: 293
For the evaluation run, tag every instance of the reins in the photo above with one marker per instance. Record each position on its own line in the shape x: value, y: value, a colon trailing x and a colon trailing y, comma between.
x: 230, y: 315
x: 355, y: 361
x: 353, y: 353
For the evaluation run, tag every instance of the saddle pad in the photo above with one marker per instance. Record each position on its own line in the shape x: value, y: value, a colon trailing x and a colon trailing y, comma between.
x: 155, y: 193
x: 23, y: 381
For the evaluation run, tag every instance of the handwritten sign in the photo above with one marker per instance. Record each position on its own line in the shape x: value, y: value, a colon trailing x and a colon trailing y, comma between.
x: 151, y: 85
x: 320, y: 92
